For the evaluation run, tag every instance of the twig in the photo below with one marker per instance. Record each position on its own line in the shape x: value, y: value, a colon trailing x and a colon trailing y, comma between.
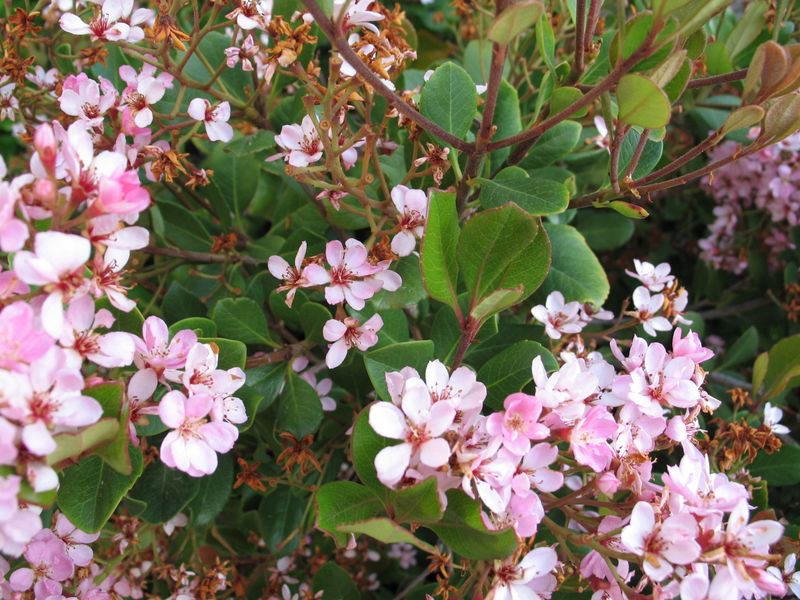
x: 580, y: 37
x: 717, y: 79
x: 348, y: 54
x: 203, y: 257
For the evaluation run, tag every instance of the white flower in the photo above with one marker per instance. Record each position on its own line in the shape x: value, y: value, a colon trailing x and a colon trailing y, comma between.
x: 772, y: 419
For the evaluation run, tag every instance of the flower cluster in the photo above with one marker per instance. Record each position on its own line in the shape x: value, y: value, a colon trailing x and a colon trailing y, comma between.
x: 767, y: 182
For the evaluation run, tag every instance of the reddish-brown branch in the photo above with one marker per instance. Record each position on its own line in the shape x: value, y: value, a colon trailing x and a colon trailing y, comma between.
x: 718, y: 79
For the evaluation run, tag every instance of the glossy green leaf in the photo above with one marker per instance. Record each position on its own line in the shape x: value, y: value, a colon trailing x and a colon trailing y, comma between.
x: 387, y: 531
x: 604, y: 229
x: 463, y: 530
x: 743, y: 349
x: 498, y: 249
x: 783, y: 368
x: 642, y: 102
x: 495, y: 302
x: 242, y: 319
x: 166, y: 491
x: 510, y: 370
x: 779, y: 469
x: 91, y: 490
x: 280, y: 515
x: 536, y: 196
x: 71, y: 445
x: 514, y: 20
x: 417, y: 504
x: 213, y: 492
x: 438, y: 251
x: 200, y: 325
x: 345, y: 502
x: 554, y: 144
x: 299, y: 407
x: 335, y: 583
x: 232, y: 353
x: 449, y: 99
x: 575, y: 270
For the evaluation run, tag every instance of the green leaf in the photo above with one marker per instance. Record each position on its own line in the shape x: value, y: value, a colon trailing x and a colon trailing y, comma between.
x: 514, y: 20
x: 499, y: 249
x: 200, y: 325
x: 575, y: 270
x: 604, y: 229
x: 463, y: 530
x: 507, y: 119
x: 387, y: 531
x: 449, y: 99
x: 743, y: 349
x: 166, y: 491
x: 495, y: 302
x: 411, y: 292
x: 364, y: 445
x: 280, y: 515
x: 213, y: 492
x: 91, y: 490
x: 71, y: 445
x: 760, y: 370
x: 394, y: 357
x: 749, y: 27
x: 744, y: 116
x: 335, y: 582
x: 783, y: 368
x: 345, y: 502
x: 438, y: 251
x: 648, y: 159
x: 232, y: 353
x: 510, y: 370
x: 242, y: 319
x: 184, y: 229
x: 115, y: 451
x: 536, y: 196
x: 642, y: 102
x: 546, y: 43
x: 313, y: 317
x: 553, y: 145
x: 250, y: 144
x: 235, y: 180
x: 562, y: 97
x: 299, y: 407
x: 445, y: 334
x: 781, y: 468
x: 417, y: 504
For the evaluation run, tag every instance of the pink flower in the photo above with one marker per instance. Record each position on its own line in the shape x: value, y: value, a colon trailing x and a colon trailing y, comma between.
x: 50, y: 402
x: 154, y: 349
x: 214, y: 117
x: 192, y: 444
x: 51, y: 565
x: 690, y: 346
x: 348, y: 265
x: 17, y: 526
x: 419, y: 424
x: 295, y: 276
x: 519, y: 423
x: 21, y: 342
x: 75, y: 540
x: 143, y: 91
x: 57, y: 264
x: 533, y: 471
x: 647, y: 308
x: 669, y: 543
x: 115, y: 20
x: 203, y: 377
x: 588, y: 439
x: 348, y: 334
x: 558, y: 317
x: 412, y: 206
x: 245, y: 53
x: 300, y: 143
x: 13, y: 231
x: 357, y: 14
x: 112, y: 349
x: 252, y: 14
x: 531, y: 579
x: 81, y: 97
x: 653, y: 278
